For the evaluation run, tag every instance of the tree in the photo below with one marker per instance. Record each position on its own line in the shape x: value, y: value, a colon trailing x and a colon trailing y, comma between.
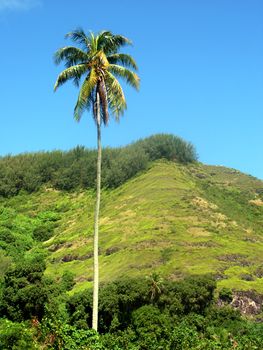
x: 156, y: 286
x: 25, y: 289
x: 95, y: 66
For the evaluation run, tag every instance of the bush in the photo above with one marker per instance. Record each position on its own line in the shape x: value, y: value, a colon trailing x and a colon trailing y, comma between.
x: 25, y: 290
x: 43, y: 233
x: 169, y: 147
x: 151, y: 327
x: 67, y: 281
x: 16, y: 336
x: 226, y: 295
x: 193, y: 294
x: 58, y: 335
x: 15, y: 232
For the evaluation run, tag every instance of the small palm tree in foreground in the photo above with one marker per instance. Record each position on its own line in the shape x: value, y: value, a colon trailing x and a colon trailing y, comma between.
x: 95, y: 66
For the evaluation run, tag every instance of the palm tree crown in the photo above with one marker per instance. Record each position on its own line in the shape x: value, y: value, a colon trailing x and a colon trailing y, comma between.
x: 95, y: 65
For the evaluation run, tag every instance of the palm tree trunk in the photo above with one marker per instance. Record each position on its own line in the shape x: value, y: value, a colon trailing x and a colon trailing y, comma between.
x: 96, y: 224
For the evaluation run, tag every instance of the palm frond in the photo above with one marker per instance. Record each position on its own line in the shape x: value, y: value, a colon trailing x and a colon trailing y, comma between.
x: 71, y: 55
x: 74, y: 72
x: 104, y: 38
x: 80, y: 37
x: 121, y: 40
x: 116, y: 98
x: 130, y: 77
x: 93, y: 42
x: 85, y: 98
x: 111, y: 43
x: 124, y: 59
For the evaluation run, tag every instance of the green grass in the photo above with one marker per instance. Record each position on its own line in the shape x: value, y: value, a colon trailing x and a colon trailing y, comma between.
x: 173, y: 219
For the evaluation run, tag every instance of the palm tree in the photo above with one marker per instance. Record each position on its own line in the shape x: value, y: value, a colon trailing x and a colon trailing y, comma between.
x: 95, y: 66
x: 156, y: 286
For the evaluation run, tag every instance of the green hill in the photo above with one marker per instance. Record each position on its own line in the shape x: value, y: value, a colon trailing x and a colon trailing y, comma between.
x: 174, y: 218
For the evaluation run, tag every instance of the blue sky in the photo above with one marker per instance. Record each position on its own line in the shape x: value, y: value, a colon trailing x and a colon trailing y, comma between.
x: 200, y: 64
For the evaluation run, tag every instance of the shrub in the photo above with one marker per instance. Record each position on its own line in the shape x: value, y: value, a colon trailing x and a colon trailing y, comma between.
x: 43, y: 232
x: 58, y: 335
x: 151, y: 327
x: 67, y: 281
x: 16, y: 336
x: 193, y: 294
x: 25, y: 290
x: 226, y: 295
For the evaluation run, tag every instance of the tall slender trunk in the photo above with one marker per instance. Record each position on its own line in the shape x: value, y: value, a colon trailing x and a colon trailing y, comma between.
x: 96, y: 224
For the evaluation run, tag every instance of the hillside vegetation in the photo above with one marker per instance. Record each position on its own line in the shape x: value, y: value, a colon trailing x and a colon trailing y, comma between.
x: 174, y: 218
x: 174, y: 235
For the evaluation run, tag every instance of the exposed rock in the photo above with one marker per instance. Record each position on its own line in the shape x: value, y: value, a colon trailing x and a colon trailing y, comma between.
x: 232, y: 171
x: 220, y: 276
x: 86, y: 256
x: 257, y: 202
x: 259, y: 190
x: 204, y: 204
x: 247, y: 302
x: 247, y: 277
x: 259, y: 272
x: 235, y: 259
x: 69, y: 257
x: 250, y: 239
x: 203, y: 244
x: 201, y: 176
x: 112, y: 250
x: 57, y: 246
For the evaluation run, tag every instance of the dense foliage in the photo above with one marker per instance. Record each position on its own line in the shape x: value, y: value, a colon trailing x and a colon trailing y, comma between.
x: 135, y: 314
x: 77, y: 168
x: 25, y: 290
x: 19, y: 233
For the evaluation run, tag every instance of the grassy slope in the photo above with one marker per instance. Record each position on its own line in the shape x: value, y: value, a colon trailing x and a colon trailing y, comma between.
x: 174, y: 219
